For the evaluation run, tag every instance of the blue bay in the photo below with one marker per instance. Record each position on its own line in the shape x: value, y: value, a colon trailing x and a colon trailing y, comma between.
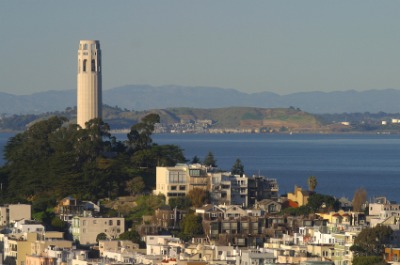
x: 341, y: 163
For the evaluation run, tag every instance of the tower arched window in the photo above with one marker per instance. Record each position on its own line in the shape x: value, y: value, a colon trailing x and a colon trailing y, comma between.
x: 84, y: 65
x: 93, y: 66
x: 85, y: 46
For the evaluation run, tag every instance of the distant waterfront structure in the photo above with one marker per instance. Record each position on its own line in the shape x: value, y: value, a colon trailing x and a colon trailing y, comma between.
x: 89, y: 98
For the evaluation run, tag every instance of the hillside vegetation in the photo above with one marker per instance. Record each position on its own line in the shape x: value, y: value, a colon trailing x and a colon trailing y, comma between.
x: 233, y: 117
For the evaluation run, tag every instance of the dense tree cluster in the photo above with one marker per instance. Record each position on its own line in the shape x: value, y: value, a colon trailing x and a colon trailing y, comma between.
x: 53, y: 159
x: 372, y: 241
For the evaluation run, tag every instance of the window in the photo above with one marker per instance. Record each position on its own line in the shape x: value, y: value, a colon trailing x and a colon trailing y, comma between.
x: 85, y: 46
x: 194, y: 172
x: 84, y: 65
x: 176, y: 177
x: 110, y: 222
x: 94, y: 222
x: 118, y: 222
x: 93, y: 66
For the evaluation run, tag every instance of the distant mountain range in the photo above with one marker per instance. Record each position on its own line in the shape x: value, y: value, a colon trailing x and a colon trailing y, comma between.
x: 145, y: 97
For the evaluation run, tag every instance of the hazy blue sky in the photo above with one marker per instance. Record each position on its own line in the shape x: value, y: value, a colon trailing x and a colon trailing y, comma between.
x: 279, y: 46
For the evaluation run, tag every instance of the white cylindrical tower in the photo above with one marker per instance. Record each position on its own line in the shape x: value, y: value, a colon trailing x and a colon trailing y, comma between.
x: 89, y: 99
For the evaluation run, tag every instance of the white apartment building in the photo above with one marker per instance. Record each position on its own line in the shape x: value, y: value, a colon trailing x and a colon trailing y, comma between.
x: 26, y: 226
x: 163, y: 245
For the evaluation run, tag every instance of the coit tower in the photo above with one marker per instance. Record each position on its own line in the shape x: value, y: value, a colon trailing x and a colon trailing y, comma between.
x: 89, y: 99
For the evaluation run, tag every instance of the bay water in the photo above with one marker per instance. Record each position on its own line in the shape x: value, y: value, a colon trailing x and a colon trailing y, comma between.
x: 341, y: 163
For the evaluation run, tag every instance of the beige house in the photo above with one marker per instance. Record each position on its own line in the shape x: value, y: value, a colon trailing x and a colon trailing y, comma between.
x: 11, y: 213
x: 86, y: 229
x: 18, y: 246
x: 116, y: 246
x: 175, y: 182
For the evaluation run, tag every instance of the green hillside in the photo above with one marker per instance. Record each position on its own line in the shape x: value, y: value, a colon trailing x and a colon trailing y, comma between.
x: 233, y: 117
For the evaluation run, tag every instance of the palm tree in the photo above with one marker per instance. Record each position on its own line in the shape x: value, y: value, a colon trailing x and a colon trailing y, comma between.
x: 312, y: 183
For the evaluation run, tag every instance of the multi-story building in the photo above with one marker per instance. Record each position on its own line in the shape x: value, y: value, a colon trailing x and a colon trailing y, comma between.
x: 69, y: 207
x: 11, y: 213
x: 223, y: 187
x: 175, y: 182
x: 18, y: 246
x: 86, y: 229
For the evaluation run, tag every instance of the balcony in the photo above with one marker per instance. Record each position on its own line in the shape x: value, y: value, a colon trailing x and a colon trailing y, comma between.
x: 198, y: 181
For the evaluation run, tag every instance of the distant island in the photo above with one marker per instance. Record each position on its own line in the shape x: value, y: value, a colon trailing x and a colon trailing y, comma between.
x: 228, y: 120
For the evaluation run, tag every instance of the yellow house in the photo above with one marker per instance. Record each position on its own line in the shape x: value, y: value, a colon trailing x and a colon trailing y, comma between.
x: 17, y: 248
x: 299, y: 195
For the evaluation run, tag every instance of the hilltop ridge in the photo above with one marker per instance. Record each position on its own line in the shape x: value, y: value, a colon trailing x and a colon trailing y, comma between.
x: 145, y: 97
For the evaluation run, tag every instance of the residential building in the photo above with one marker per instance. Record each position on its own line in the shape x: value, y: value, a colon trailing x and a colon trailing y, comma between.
x: 223, y: 187
x: 18, y: 246
x: 268, y: 206
x: 256, y: 257
x: 26, y: 226
x: 299, y: 195
x: 69, y: 207
x: 163, y: 245
x: 11, y: 213
x: 86, y: 229
x: 175, y: 182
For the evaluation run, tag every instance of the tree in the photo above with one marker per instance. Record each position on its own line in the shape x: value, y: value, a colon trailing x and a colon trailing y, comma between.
x: 139, y: 136
x: 368, y: 260
x: 312, y: 183
x: 135, y: 185
x: 210, y: 161
x: 59, y: 225
x: 133, y: 236
x: 182, y: 203
x: 198, y: 197
x: 237, y: 168
x: 195, y: 160
x: 372, y: 241
x: 320, y: 202
x: 53, y: 159
x: 191, y: 226
x: 101, y: 236
x: 359, y: 198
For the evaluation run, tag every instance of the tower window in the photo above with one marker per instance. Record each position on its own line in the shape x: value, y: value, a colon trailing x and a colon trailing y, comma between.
x: 85, y: 46
x: 84, y: 65
x: 93, y: 66
x: 93, y: 46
